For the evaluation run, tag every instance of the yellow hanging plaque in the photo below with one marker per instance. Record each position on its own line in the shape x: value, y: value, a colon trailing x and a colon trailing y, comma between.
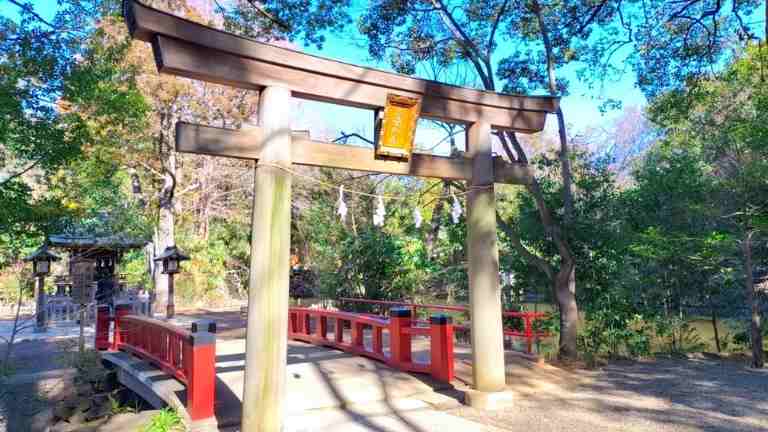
x: 395, y: 140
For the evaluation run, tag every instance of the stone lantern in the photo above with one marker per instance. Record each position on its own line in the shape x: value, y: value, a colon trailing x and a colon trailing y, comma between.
x: 41, y: 267
x: 171, y: 259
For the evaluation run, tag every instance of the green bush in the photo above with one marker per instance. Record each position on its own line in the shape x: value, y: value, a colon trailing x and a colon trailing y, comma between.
x: 743, y: 337
x: 167, y: 420
x: 614, y: 330
x: 218, y: 269
x: 678, y: 336
x: 88, y: 364
x: 374, y: 265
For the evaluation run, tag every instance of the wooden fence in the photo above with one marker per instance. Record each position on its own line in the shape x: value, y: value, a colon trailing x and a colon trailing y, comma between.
x: 528, y: 334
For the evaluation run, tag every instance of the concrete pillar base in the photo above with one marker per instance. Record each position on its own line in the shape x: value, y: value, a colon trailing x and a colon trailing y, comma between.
x: 207, y: 425
x: 488, y: 401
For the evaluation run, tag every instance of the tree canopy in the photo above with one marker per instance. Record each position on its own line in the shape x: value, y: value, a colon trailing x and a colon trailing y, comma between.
x: 645, y: 224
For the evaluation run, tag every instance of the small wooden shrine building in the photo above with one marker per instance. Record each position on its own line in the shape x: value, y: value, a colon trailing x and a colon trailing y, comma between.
x: 95, y: 252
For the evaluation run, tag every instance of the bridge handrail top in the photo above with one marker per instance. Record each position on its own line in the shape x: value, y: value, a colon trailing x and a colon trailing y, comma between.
x: 157, y: 323
x: 399, y: 303
x: 350, y: 316
x: 455, y: 308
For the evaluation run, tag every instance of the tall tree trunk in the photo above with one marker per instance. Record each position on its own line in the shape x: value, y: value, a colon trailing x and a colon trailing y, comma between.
x: 565, y: 161
x: 749, y: 286
x: 565, y: 292
x: 565, y: 282
x: 565, y: 167
x: 164, y: 234
x: 714, y: 325
x: 434, y: 226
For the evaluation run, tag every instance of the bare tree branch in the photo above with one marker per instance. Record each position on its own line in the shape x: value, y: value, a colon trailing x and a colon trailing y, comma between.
x: 495, y: 26
x: 473, y: 52
x: 592, y: 16
x: 27, y: 8
x: 344, y: 137
x: 265, y: 13
x: 528, y: 256
x: 20, y: 173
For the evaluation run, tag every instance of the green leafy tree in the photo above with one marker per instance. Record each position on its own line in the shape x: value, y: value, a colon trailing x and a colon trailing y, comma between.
x: 677, y: 43
x: 466, y: 35
x: 726, y: 117
x: 38, y: 135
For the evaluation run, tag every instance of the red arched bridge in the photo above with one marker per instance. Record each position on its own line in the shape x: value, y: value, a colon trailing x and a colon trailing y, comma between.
x: 184, y: 362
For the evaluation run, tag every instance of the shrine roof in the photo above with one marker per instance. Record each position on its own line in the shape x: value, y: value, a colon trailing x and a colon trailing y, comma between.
x: 95, y: 233
x: 42, y: 253
x: 115, y: 242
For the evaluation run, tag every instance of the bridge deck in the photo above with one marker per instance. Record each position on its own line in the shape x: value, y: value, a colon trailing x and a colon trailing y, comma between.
x: 326, y: 389
x: 317, y: 378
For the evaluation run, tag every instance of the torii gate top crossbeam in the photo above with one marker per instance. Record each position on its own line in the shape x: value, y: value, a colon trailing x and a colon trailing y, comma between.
x: 185, y: 48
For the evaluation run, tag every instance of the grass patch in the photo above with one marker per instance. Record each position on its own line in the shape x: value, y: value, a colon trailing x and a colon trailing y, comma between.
x: 117, y: 407
x: 166, y: 420
x: 7, y: 370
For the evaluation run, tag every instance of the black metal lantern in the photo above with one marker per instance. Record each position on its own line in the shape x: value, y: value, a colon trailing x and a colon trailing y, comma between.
x: 41, y: 260
x: 171, y: 257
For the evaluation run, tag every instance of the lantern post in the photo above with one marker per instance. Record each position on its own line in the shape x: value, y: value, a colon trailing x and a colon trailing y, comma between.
x: 41, y: 266
x: 171, y: 259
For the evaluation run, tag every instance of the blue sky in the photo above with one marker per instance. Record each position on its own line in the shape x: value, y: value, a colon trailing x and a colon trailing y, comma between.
x: 580, y: 107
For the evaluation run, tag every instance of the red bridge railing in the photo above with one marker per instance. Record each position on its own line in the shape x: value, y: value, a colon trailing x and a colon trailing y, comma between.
x: 189, y: 356
x: 527, y: 334
x: 366, y: 337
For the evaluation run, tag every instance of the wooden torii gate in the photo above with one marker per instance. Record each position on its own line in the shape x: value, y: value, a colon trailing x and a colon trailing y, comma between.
x: 188, y: 49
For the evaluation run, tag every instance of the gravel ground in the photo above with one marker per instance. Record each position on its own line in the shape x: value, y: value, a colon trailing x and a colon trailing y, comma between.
x: 663, y: 395
x: 704, y: 393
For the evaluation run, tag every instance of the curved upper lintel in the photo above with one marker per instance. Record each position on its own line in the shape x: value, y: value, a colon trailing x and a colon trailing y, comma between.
x: 185, y: 48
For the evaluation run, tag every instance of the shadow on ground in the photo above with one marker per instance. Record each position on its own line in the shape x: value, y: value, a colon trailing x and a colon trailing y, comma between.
x: 656, y: 395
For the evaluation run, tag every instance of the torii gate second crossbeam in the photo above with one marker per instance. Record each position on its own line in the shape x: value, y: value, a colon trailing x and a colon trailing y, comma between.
x: 185, y: 48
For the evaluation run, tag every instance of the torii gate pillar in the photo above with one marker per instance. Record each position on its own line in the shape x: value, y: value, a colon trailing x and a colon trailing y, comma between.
x: 266, y: 346
x: 192, y: 50
x: 488, y: 372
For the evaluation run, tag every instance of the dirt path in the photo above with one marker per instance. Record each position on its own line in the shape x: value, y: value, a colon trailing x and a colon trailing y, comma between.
x: 27, y: 400
x: 685, y: 395
x: 661, y: 395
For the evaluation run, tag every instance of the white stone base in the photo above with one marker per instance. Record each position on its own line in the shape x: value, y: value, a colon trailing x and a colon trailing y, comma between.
x: 488, y: 401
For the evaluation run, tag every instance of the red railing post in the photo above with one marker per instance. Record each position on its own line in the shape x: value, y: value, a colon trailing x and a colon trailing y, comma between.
x: 200, y: 365
x: 377, y: 339
x: 299, y: 322
x: 338, y: 331
x: 441, y: 347
x: 399, y: 340
x: 357, y: 335
x: 528, y: 332
x: 102, y: 328
x: 292, y: 324
x: 321, y: 326
x: 305, y: 324
x: 121, y: 310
